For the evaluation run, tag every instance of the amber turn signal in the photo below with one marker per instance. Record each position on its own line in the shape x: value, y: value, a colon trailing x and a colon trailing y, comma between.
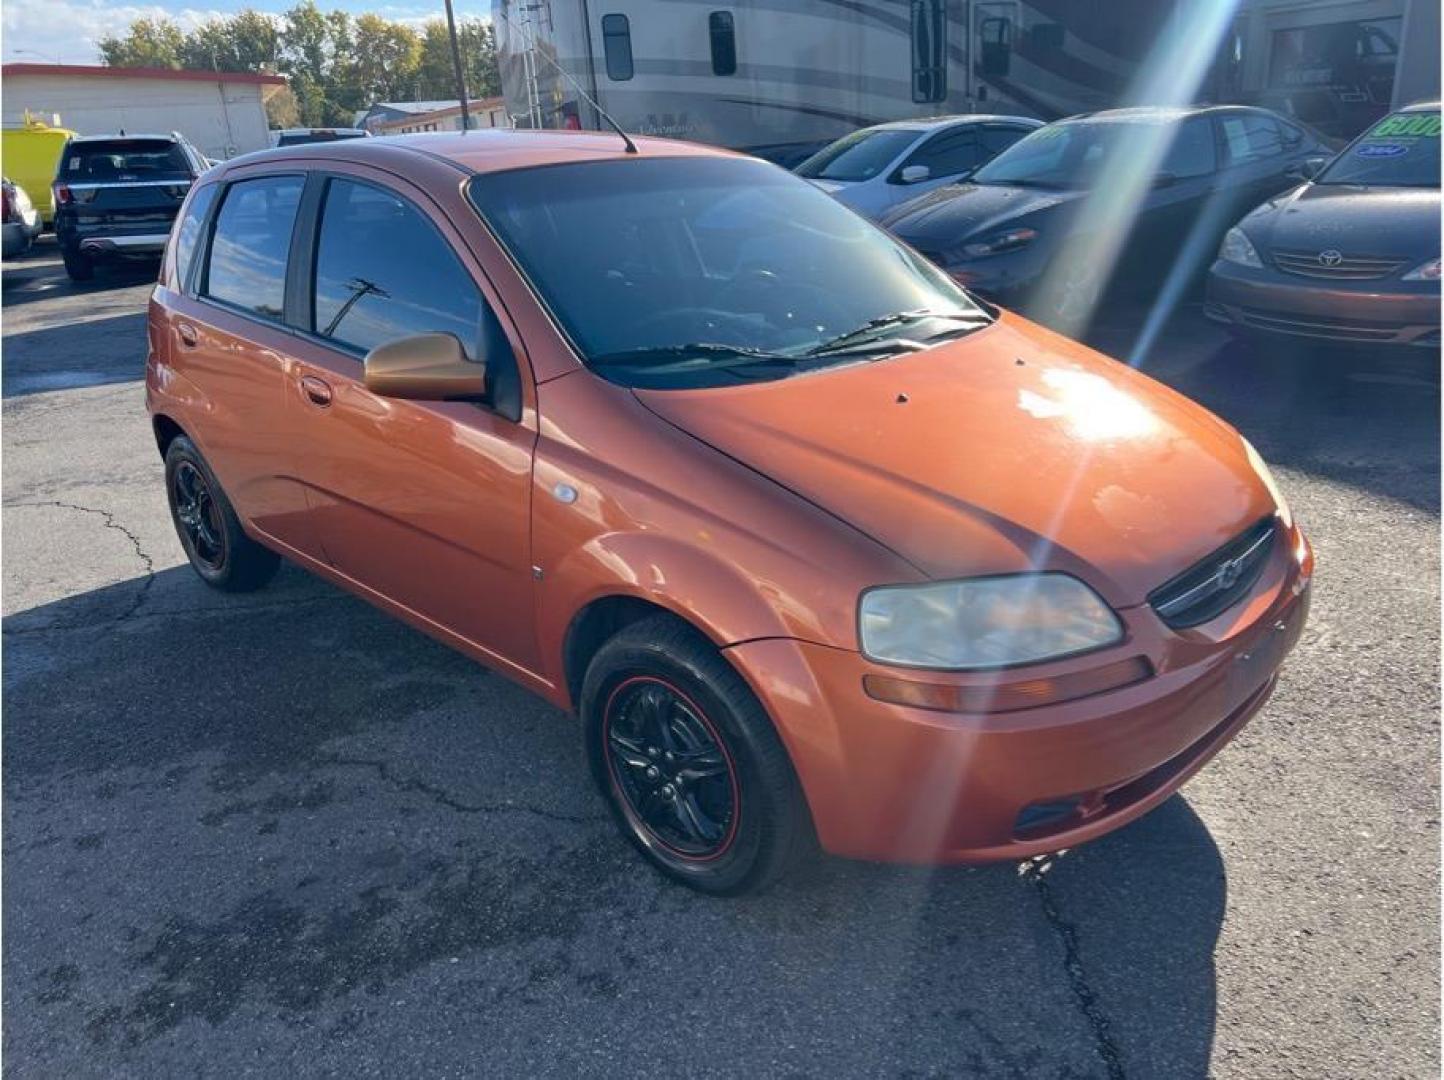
x: 1003, y: 696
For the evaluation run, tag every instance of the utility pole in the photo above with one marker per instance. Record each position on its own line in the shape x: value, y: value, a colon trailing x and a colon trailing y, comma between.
x: 456, y: 63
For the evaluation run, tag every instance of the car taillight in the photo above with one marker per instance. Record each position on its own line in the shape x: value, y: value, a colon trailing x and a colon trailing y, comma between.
x: 62, y: 195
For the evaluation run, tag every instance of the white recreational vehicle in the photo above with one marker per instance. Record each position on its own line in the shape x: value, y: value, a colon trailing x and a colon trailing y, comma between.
x: 780, y: 77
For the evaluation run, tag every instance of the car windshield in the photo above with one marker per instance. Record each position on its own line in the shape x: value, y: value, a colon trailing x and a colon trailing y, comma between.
x: 859, y: 156
x: 674, y: 271
x: 1401, y: 150
x: 1067, y: 154
x: 125, y: 159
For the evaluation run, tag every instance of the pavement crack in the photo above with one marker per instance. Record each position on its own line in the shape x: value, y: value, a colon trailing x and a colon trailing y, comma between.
x: 443, y: 798
x: 110, y: 522
x: 1036, y: 871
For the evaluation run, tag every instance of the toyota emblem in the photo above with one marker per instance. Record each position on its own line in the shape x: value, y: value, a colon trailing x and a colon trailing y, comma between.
x: 1330, y: 257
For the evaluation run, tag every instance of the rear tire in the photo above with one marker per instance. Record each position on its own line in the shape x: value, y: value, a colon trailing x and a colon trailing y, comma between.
x: 722, y: 810
x: 218, y: 548
x: 79, y: 267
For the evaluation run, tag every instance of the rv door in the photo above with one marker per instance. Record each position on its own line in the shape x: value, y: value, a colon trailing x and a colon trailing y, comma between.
x: 993, y: 32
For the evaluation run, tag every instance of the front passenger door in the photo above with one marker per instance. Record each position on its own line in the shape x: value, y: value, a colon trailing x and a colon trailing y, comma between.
x: 425, y: 503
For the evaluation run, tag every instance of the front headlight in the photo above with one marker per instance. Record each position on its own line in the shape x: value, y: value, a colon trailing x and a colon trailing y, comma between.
x: 1238, y: 248
x: 1285, y: 514
x: 1428, y: 271
x: 999, y: 242
x: 984, y: 622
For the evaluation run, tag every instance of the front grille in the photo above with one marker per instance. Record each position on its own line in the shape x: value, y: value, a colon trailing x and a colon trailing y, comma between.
x: 1213, y: 585
x: 1333, y: 264
x: 1320, y: 326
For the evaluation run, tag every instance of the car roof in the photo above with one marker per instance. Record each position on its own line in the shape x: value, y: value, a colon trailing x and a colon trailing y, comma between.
x: 487, y: 150
x: 308, y: 130
x: 166, y: 135
x: 1422, y: 106
x: 1166, y: 113
x: 929, y: 123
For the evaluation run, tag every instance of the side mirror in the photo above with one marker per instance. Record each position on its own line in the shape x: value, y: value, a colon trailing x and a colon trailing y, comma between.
x: 1306, y: 169
x: 425, y: 367
x: 914, y: 174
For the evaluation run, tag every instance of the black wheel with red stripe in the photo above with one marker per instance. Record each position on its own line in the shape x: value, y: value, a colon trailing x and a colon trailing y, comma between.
x: 689, y: 761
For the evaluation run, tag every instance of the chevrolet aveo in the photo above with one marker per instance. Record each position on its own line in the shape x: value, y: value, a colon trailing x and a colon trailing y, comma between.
x: 819, y: 548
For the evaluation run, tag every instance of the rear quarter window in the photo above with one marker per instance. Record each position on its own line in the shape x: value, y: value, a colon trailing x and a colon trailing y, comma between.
x: 251, y: 245
x: 188, y: 233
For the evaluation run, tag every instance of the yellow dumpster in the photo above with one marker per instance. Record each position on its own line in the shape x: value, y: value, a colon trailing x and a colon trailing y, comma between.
x: 29, y: 153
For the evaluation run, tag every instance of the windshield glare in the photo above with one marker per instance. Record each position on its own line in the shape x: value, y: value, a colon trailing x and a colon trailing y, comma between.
x: 1401, y: 150
x: 859, y: 156
x: 1061, y: 155
x: 660, y: 253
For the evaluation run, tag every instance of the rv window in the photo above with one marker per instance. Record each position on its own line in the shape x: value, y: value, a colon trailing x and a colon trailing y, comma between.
x: 996, y: 36
x: 724, y: 43
x: 930, y: 54
x: 617, y: 43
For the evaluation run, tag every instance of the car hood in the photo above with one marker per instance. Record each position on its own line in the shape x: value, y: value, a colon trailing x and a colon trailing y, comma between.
x: 1402, y: 222
x: 951, y: 215
x: 1009, y: 450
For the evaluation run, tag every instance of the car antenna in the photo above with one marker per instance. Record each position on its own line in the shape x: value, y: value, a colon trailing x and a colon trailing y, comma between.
x: 631, y: 146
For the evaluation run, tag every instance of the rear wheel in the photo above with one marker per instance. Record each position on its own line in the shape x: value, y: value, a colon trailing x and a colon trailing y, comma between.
x: 689, y: 762
x: 80, y: 267
x: 211, y: 534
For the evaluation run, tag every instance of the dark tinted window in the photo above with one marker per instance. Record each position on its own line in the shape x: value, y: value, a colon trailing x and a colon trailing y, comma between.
x: 617, y: 44
x: 383, y: 273
x: 946, y: 154
x: 1193, y: 152
x: 1250, y: 137
x: 930, y: 56
x: 724, y: 43
x: 125, y: 159
x: 188, y: 232
x: 252, y: 239
x: 995, y: 140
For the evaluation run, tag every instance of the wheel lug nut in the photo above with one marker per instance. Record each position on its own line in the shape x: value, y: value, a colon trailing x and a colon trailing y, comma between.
x: 652, y: 773
x: 652, y: 751
x: 668, y: 790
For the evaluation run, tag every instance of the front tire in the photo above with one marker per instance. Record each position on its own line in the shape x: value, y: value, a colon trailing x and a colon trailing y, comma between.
x: 218, y: 548
x: 689, y: 762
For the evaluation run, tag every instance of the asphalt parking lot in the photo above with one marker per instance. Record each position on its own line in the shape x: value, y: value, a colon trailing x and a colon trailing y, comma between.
x: 281, y: 833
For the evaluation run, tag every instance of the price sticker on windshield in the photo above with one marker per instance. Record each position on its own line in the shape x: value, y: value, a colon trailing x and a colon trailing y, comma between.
x: 1423, y: 125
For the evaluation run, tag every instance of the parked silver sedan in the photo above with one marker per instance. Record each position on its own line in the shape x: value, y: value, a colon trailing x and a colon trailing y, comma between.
x: 21, y: 219
x: 876, y: 168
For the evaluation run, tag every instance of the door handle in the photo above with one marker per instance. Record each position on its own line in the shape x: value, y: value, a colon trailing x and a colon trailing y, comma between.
x: 317, y: 390
x: 187, y: 334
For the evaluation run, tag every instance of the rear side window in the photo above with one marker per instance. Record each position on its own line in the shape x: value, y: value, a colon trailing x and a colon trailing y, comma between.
x: 723, y: 34
x: 1193, y: 152
x: 250, y: 245
x: 383, y: 273
x: 188, y: 233
x: 617, y: 45
x: 100, y: 160
x: 1251, y: 138
x: 997, y: 139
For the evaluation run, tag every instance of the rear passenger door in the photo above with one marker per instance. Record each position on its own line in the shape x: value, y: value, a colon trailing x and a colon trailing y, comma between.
x: 425, y: 504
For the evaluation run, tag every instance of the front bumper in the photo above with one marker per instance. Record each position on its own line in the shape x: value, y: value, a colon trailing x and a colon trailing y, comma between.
x: 895, y: 783
x: 1386, y: 312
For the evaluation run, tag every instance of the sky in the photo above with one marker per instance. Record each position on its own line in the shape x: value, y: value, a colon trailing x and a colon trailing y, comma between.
x: 65, y: 31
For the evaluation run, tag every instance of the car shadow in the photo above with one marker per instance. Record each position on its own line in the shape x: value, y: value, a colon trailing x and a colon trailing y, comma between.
x: 278, y: 824
x: 73, y: 355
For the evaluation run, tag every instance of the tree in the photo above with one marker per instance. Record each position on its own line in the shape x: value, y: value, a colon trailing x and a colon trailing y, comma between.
x: 152, y: 43
x: 248, y: 41
x: 282, y: 109
x: 436, y: 77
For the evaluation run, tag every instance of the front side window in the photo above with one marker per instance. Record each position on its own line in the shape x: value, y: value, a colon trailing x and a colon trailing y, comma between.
x: 188, y: 232
x: 723, y: 35
x: 250, y: 245
x: 698, y: 271
x: 383, y: 273
x: 946, y: 154
x: 1193, y: 152
x: 930, y: 52
x: 997, y: 139
x: 617, y: 45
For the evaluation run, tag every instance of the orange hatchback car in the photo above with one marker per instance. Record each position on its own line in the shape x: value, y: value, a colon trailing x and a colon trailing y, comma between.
x: 819, y: 548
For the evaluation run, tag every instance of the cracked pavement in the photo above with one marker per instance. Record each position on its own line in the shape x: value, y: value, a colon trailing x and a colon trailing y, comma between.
x: 283, y: 833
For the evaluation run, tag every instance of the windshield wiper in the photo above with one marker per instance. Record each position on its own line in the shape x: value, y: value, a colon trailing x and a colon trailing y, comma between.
x: 868, y: 331
x: 661, y: 356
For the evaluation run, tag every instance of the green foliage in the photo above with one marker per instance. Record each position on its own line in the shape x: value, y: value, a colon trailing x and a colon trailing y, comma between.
x: 335, y: 64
